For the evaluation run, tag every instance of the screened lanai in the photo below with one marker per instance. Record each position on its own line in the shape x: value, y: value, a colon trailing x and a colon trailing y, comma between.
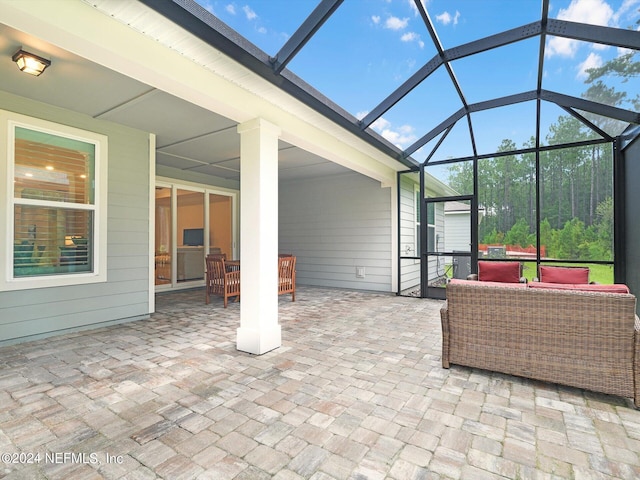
x: 517, y: 127
x: 404, y: 141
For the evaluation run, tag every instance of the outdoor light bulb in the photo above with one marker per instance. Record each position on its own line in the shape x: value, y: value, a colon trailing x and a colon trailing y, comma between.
x: 30, y: 65
x: 49, y: 167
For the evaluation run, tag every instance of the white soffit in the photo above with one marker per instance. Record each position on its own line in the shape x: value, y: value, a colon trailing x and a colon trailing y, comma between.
x: 148, y: 22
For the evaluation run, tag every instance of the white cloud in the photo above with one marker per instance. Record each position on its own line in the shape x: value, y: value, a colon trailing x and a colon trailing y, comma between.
x: 446, y: 18
x: 262, y: 30
x: 231, y: 8
x: 395, y: 23
x: 402, y: 136
x: 380, y: 124
x: 412, y: 37
x: 592, y: 61
x: 251, y: 15
x: 560, y: 46
x: 409, y: 37
x: 592, y: 12
x: 375, y: 19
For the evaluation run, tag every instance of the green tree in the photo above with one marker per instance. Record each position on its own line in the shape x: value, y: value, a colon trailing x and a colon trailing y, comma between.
x: 519, y: 234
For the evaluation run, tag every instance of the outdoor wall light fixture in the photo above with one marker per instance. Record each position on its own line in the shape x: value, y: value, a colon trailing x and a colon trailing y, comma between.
x: 30, y: 63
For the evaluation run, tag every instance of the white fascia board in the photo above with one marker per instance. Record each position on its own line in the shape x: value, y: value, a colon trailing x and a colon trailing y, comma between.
x: 216, y: 83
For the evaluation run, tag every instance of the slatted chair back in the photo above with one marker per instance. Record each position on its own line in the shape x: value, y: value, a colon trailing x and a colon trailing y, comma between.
x: 220, y: 281
x: 287, y: 276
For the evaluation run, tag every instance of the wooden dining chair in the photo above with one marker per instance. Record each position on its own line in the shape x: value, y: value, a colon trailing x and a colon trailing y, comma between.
x: 287, y: 276
x: 219, y: 281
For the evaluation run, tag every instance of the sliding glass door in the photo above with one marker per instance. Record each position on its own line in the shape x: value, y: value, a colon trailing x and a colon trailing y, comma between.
x: 190, y: 222
x: 221, y: 224
x: 190, y: 233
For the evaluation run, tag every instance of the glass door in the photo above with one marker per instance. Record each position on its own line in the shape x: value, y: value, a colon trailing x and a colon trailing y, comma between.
x: 221, y: 225
x: 190, y: 222
x: 190, y: 235
x: 449, y: 241
x: 163, y: 237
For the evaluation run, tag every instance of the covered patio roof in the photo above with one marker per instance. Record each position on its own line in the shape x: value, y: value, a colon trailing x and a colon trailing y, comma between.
x: 174, y: 98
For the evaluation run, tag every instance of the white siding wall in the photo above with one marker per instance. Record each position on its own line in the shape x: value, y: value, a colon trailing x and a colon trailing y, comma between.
x: 335, y: 224
x: 409, y: 269
x: 457, y: 232
x: 125, y: 295
x: 437, y: 264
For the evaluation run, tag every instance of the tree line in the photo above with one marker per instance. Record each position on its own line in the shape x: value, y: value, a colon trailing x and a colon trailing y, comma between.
x: 576, y: 183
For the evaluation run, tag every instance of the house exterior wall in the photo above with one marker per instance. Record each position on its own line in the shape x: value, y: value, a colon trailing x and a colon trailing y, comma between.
x: 335, y: 224
x: 457, y: 232
x: 409, y: 269
x: 125, y: 294
x: 437, y: 265
x: 409, y: 237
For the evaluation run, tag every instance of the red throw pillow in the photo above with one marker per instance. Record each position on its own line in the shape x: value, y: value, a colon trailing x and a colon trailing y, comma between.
x: 504, y: 272
x: 564, y: 274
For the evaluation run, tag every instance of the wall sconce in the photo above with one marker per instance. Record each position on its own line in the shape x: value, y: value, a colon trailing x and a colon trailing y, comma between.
x: 30, y: 63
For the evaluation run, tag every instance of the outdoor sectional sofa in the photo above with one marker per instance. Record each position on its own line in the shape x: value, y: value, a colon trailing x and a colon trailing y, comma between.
x: 582, y: 336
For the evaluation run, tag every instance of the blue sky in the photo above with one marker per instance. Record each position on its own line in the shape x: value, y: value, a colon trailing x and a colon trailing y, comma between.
x: 369, y: 47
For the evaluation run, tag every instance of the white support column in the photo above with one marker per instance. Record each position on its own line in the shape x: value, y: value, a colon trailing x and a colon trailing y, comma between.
x: 259, y: 330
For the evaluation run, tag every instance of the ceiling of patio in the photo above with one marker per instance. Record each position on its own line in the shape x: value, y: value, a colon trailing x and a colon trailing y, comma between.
x: 188, y: 137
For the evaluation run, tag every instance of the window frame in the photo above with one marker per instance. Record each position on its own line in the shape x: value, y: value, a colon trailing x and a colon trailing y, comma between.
x: 431, y: 227
x: 9, y: 121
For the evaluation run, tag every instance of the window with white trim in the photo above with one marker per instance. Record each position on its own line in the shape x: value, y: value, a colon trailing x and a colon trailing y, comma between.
x: 56, y: 204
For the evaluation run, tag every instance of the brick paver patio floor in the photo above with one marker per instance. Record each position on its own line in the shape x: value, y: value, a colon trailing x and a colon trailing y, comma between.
x: 356, y: 391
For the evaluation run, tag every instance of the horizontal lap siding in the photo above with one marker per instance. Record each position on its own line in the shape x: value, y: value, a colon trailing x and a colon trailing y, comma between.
x: 335, y: 224
x: 409, y: 269
x: 125, y: 295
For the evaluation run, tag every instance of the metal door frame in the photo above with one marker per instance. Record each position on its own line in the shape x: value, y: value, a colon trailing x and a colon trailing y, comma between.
x: 438, y: 292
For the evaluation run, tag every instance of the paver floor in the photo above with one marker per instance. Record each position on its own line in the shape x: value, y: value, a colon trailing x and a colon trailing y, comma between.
x: 356, y: 391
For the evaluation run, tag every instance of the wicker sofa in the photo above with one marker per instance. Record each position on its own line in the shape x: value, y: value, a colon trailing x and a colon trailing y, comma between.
x: 583, y: 339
